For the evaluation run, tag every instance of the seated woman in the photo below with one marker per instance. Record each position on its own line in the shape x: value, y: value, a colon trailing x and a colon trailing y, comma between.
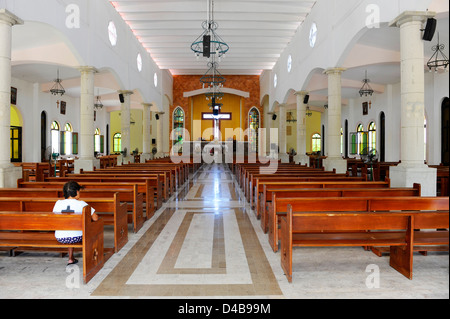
x: 71, y: 204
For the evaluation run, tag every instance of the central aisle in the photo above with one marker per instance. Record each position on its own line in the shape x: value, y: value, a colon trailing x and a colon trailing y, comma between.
x: 201, y: 243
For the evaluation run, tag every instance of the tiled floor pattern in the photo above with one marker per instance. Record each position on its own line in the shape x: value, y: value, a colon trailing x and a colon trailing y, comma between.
x: 205, y: 242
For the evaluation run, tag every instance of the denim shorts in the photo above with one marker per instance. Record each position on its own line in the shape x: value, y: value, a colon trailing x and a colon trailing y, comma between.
x: 70, y: 240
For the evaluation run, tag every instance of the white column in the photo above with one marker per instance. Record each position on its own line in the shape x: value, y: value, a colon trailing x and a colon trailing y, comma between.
x: 87, y: 130
x: 412, y: 168
x: 334, y: 159
x: 8, y: 172
x: 146, y: 138
x: 283, y: 156
x: 301, y: 157
x: 160, y: 132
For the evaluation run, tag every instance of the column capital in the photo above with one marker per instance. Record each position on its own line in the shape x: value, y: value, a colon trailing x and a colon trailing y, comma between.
x: 160, y: 113
x: 410, y: 16
x: 147, y: 104
x: 334, y: 71
x: 87, y: 69
x: 125, y: 92
x: 301, y: 93
x: 9, y: 18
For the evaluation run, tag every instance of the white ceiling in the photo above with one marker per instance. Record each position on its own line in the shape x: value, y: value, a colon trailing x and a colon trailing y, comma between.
x: 256, y: 31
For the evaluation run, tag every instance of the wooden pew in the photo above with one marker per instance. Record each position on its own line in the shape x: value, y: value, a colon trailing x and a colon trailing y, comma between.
x: 151, y: 187
x: 156, y: 180
x: 250, y: 185
x: 331, y: 192
x: 348, y: 204
x: 326, y: 177
x: 126, y: 194
x: 26, y: 230
x: 166, y: 175
x: 278, y: 183
x: 396, y: 230
x: 110, y: 209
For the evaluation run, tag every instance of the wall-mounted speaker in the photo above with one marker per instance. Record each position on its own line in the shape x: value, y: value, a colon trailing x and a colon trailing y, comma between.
x: 121, y: 98
x: 157, y: 117
x: 430, y: 29
x: 306, y: 99
x: 274, y: 117
x: 206, y: 46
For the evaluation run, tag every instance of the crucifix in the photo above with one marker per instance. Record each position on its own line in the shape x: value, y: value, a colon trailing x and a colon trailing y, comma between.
x: 216, y: 121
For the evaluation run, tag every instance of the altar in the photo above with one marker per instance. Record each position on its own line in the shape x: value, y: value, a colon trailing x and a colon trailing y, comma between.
x: 215, y: 151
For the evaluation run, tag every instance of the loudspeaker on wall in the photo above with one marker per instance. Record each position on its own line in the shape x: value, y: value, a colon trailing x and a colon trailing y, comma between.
x: 121, y: 98
x: 306, y: 99
x: 430, y: 29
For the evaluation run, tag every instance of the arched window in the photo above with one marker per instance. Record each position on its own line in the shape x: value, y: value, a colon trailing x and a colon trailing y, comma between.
x: 98, y: 147
x: 362, y: 140
x: 178, y: 125
x: 55, y: 137
x: 66, y: 143
x: 316, y: 142
x: 117, y: 143
x: 372, y: 136
x: 253, y: 125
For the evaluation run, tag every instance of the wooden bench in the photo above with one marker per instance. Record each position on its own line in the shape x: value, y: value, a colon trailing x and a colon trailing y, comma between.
x: 167, y: 175
x: 110, y: 209
x: 348, y: 204
x: 264, y: 184
x: 154, y: 180
x: 150, y: 187
x: 330, y: 192
x: 32, y: 229
x: 396, y: 230
x: 261, y: 179
x: 250, y: 185
x: 126, y: 194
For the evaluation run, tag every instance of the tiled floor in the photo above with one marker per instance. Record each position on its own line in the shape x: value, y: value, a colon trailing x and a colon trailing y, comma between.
x: 205, y: 242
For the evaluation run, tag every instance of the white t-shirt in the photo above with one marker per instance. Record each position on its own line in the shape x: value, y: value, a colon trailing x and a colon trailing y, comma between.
x: 69, y: 206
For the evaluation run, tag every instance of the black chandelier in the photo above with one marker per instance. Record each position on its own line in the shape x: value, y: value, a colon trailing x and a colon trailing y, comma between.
x: 209, y: 43
x: 57, y: 87
x: 366, y: 89
x: 212, y: 77
x: 438, y: 59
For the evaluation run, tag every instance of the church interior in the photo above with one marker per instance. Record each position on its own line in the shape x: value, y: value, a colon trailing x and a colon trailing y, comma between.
x: 232, y: 149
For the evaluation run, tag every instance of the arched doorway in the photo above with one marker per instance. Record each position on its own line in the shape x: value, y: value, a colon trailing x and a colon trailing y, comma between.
x: 445, y: 155
x: 43, y: 135
x: 382, y: 148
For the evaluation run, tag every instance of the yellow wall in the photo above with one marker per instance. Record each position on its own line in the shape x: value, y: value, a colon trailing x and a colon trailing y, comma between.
x: 135, y: 130
x: 231, y: 104
x: 313, y: 125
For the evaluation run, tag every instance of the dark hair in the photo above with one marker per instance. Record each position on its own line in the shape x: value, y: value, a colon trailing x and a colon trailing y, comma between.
x: 71, y: 188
